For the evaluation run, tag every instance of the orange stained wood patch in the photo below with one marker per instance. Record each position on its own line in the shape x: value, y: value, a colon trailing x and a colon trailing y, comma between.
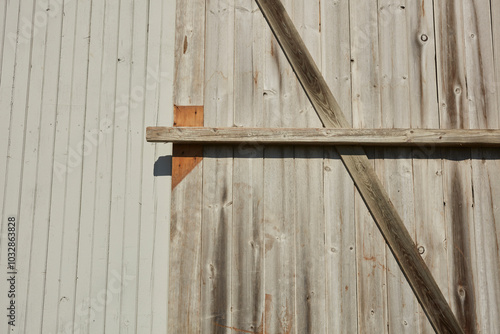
x: 186, y: 157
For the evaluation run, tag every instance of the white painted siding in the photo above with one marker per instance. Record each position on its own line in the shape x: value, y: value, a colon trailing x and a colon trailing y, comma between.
x: 79, y: 82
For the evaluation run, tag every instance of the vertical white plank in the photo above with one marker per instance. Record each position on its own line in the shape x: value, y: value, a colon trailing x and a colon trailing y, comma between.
x: 76, y: 143
x: 3, y: 13
x: 397, y: 164
x: 217, y: 171
x: 42, y: 224
x: 7, y: 71
x: 371, y: 259
x: 248, y: 294
x: 145, y: 292
x: 483, y: 104
x: 455, y: 113
x: 58, y: 225
x: 428, y: 213
x: 152, y: 290
x: 95, y: 131
x: 341, y: 276
x: 99, y: 292
x: 14, y: 90
x: 121, y: 113
x: 135, y: 135
x: 162, y: 189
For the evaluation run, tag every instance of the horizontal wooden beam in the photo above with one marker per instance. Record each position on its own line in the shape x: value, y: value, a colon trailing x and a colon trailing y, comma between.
x: 285, y: 136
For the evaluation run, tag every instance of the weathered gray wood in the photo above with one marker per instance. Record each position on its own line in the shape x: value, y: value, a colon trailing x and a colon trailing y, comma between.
x: 342, y: 277
x: 310, y: 136
x: 217, y: 208
x: 483, y: 105
x: 371, y: 251
x: 189, y: 49
x: 430, y: 227
x: 310, y: 270
x: 397, y: 167
x: 363, y: 174
x: 455, y: 114
x: 247, y: 283
x: 184, y: 298
x: 280, y: 102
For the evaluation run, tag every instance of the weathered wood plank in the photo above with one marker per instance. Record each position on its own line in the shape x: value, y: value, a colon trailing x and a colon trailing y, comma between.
x: 184, y: 297
x: 457, y: 187
x: 217, y: 209
x: 397, y: 167
x: 279, y: 194
x: 247, y: 283
x: 366, y: 102
x: 482, y: 100
x: 341, y: 279
x: 430, y: 227
x: 495, y: 30
x: 363, y: 174
x: 189, y: 49
x: 310, y: 270
x: 311, y: 136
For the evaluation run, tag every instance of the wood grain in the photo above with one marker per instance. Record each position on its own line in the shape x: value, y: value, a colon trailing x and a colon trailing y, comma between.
x: 311, y: 136
x: 341, y: 274
x: 364, y: 176
x: 483, y: 105
x: 186, y: 157
x: 247, y: 258
x: 308, y: 183
x: 281, y: 93
x: 184, y: 296
x: 371, y: 251
x: 397, y: 167
x: 217, y: 205
x: 189, y: 49
x: 430, y: 228
x: 455, y: 113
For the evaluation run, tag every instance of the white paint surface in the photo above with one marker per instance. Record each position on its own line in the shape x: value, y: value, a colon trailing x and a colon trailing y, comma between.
x: 80, y: 81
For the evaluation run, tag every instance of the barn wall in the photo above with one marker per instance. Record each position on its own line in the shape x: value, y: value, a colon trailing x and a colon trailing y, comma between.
x: 276, y: 239
x: 80, y: 81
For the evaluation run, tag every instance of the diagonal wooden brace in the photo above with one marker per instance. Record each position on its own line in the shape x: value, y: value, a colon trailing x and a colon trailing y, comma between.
x: 355, y: 160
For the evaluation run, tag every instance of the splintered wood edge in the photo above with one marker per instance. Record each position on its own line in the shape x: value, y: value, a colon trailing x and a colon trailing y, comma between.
x: 185, y: 157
